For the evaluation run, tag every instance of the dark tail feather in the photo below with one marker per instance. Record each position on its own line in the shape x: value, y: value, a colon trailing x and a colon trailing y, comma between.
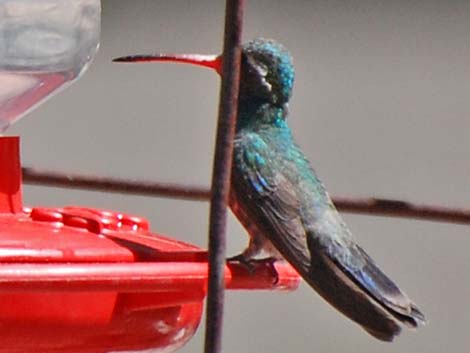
x: 350, y: 299
x: 381, y: 288
x: 417, y: 314
x: 415, y: 318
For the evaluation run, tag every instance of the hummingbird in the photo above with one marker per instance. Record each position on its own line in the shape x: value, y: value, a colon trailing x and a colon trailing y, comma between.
x: 279, y: 199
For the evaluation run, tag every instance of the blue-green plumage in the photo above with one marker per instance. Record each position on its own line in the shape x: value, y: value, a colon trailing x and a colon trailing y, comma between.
x: 284, y: 206
x: 280, y: 200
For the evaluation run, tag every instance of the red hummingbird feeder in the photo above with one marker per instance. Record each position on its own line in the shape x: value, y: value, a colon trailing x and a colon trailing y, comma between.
x: 76, y: 279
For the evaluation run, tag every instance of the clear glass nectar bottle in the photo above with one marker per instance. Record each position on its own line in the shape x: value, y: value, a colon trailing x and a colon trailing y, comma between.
x: 45, y: 45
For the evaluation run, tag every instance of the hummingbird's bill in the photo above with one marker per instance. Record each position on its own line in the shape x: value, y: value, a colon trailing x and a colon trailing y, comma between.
x: 211, y: 61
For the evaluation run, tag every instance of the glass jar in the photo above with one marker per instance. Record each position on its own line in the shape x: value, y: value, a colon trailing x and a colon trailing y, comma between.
x: 45, y: 45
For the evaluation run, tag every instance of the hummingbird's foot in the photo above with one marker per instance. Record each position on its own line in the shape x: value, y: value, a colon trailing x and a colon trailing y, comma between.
x: 249, y: 264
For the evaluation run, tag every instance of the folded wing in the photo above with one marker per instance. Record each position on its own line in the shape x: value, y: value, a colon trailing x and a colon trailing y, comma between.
x: 314, y: 239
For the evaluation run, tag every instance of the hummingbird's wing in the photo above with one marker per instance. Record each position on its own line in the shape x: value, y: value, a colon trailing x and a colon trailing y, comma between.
x: 290, y: 206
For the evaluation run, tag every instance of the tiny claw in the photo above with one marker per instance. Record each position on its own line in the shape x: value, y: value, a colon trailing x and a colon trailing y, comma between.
x: 271, y: 263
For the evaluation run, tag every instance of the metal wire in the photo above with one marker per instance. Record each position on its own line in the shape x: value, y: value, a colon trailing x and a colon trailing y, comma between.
x: 221, y: 173
x: 364, y: 205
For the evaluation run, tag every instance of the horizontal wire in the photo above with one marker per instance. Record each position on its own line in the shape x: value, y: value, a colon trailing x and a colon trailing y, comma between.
x: 363, y: 205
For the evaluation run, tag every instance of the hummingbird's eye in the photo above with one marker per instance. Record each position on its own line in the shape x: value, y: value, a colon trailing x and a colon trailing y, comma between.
x: 258, y: 73
x: 257, y: 67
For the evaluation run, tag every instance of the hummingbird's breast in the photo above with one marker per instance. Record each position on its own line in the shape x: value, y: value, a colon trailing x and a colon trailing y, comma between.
x: 258, y: 242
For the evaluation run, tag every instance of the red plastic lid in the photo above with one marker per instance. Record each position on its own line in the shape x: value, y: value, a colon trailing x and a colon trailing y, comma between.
x: 83, y: 280
x: 78, y: 234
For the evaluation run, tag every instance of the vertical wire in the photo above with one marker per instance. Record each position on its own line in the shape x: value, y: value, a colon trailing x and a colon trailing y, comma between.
x: 221, y: 173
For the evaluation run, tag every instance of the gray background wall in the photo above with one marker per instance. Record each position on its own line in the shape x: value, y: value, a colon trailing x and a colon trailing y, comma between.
x: 381, y: 107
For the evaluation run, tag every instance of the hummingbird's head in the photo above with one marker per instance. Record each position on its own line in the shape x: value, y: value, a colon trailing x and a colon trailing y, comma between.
x: 267, y: 72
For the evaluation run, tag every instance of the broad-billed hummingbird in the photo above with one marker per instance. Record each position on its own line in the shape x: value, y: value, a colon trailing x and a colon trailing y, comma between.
x: 284, y: 206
